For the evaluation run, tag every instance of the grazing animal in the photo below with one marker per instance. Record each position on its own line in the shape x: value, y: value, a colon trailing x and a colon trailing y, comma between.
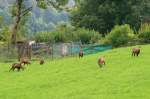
x: 17, y: 66
x: 135, y: 51
x: 81, y: 54
x: 25, y: 61
x: 101, y: 61
x: 42, y: 61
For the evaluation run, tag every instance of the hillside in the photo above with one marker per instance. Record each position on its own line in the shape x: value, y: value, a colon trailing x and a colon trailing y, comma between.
x: 123, y: 77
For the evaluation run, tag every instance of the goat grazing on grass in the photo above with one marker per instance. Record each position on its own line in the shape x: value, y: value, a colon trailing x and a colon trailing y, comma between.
x: 17, y: 66
x: 101, y: 61
x: 42, y: 61
x: 135, y: 51
x: 81, y: 54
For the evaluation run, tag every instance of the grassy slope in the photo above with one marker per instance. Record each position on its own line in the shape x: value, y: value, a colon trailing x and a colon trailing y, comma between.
x: 124, y: 77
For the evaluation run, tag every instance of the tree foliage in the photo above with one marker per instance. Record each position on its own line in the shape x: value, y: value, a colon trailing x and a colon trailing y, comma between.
x: 5, y: 34
x: 102, y: 15
x: 120, y: 35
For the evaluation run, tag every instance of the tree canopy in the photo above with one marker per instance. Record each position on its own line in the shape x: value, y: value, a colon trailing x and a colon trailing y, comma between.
x: 102, y: 15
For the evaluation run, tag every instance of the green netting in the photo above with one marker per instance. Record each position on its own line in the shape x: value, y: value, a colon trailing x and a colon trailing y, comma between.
x: 91, y: 49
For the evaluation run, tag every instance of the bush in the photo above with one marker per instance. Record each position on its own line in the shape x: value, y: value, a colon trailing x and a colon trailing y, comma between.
x: 63, y: 33
x: 5, y: 34
x: 120, y: 35
x: 104, y: 41
x: 86, y: 36
x: 68, y: 34
x: 44, y: 37
x: 60, y: 37
x: 144, y: 32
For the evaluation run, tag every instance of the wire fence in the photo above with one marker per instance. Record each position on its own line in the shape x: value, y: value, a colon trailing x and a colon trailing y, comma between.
x: 53, y: 51
x: 8, y: 53
x: 57, y: 50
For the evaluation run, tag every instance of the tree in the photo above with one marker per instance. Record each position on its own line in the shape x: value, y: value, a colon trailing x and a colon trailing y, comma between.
x: 20, y: 11
x: 1, y: 26
x: 102, y: 15
x: 1, y: 21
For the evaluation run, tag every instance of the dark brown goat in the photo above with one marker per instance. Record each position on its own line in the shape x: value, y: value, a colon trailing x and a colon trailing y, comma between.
x: 135, y: 51
x: 101, y: 61
x: 81, y: 54
x: 42, y: 61
x: 17, y: 66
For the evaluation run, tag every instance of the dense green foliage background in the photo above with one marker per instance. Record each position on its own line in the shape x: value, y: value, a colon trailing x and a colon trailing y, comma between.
x: 103, y: 15
x: 67, y: 33
x: 88, y: 21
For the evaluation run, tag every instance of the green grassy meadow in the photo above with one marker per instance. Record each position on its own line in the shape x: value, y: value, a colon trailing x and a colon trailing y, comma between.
x: 123, y: 77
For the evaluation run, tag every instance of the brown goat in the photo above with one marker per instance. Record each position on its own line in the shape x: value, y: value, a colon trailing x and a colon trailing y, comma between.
x: 17, y: 66
x: 81, y: 54
x: 25, y: 61
x: 135, y: 51
x: 42, y: 61
x: 101, y: 61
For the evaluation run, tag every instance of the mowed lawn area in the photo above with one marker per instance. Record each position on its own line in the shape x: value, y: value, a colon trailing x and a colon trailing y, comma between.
x: 123, y: 77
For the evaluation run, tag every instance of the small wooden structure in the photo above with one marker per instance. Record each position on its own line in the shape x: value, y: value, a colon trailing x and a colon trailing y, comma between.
x: 24, y: 49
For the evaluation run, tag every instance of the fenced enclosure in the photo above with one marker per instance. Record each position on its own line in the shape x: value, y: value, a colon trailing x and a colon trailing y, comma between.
x: 49, y: 50
x: 57, y: 50
x: 8, y: 53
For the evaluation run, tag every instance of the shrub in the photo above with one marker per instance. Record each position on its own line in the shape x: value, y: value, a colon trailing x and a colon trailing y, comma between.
x: 120, y: 35
x: 44, y: 37
x: 63, y: 33
x: 104, y: 41
x: 66, y: 34
x: 95, y: 36
x: 144, y: 32
x: 86, y: 36
x: 60, y: 37
x: 5, y: 34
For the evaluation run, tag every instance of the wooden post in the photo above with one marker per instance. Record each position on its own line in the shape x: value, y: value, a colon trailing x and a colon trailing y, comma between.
x: 24, y: 50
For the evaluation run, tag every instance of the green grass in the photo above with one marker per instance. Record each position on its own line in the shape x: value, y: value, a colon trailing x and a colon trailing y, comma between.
x: 123, y: 77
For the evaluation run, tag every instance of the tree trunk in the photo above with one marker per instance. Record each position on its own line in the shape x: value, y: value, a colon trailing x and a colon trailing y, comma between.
x: 17, y: 21
x: 15, y: 30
